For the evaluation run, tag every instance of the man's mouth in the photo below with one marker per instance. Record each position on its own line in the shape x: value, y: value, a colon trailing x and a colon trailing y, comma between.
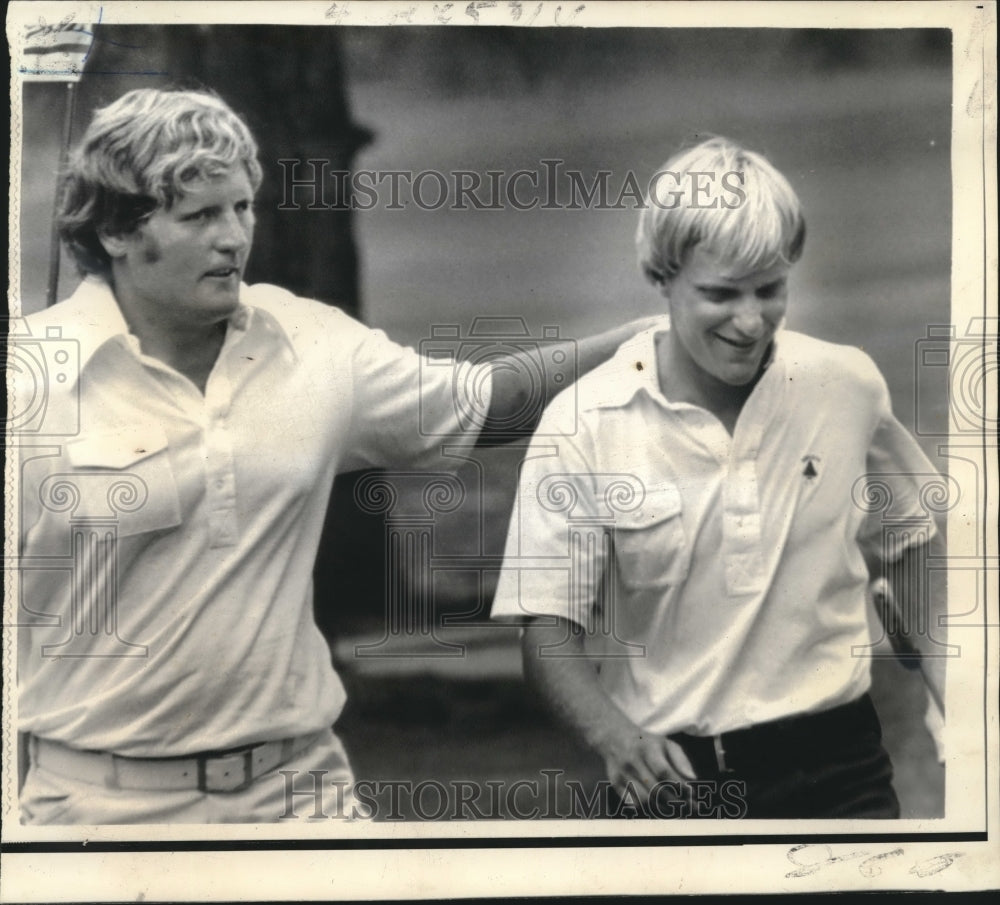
x: 742, y: 345
x: 222, y: 272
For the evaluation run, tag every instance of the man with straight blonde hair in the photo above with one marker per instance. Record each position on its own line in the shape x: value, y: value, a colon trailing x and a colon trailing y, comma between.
x: 701, y: 634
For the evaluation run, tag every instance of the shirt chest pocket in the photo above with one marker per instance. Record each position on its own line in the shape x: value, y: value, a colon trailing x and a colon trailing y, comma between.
x: 651, y: 546
x: 122, y: 475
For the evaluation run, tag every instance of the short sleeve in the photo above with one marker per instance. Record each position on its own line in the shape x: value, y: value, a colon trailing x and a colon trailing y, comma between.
x: 402, y: 407
x: 902, y: 485
x: 407, y: 407
x: 555, y: 553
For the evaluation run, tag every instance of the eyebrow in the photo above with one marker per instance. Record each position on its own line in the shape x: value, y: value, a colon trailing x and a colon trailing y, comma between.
x: 726, y: 283
x: 715, y: 287
x: 204, y: 209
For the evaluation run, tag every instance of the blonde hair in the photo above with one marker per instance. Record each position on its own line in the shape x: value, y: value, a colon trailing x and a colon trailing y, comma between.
x: 755, y: 220
x: 139, y: 154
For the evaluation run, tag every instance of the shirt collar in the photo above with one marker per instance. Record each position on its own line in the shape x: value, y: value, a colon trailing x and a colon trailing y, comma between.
x: 634, y: 368
x: 92, y: 317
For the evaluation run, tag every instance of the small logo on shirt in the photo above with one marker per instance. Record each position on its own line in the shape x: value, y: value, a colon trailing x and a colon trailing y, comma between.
x: 810, y: 471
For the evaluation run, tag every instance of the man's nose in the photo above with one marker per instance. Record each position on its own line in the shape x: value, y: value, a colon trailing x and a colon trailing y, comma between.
x: 233, y: 234
x: 749, y: 318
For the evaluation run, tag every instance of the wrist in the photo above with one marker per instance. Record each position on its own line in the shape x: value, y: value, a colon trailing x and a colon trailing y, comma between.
x: 607, y: 735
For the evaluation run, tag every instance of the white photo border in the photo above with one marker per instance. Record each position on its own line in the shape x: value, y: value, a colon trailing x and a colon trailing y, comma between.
x: 421, y: 860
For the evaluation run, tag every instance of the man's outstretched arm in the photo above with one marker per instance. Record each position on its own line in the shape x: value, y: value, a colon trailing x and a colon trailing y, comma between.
x: 518, y: 397
x: 567, y: 680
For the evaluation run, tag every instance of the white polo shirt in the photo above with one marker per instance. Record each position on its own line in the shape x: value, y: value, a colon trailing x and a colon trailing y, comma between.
x: 206, y: 638
x: 732, y: 588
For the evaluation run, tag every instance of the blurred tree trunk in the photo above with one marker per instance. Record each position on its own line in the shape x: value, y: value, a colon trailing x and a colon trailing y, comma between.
x: 289, y: 85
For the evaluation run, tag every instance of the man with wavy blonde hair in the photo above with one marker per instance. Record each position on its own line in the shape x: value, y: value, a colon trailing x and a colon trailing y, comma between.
x: 142, y: 153
x: 686, y: 553
x: 213, y: 418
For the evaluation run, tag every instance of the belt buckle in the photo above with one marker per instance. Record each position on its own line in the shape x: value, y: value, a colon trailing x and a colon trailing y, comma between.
x: 226, y: 772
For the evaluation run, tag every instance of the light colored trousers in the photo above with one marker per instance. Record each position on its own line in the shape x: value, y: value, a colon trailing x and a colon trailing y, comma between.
x: 314, y: 786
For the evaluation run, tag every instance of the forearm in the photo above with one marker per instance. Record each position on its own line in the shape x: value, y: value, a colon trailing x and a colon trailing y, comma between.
x: 915, y: 611
x: 930, y: 639
x: 566, y: 679
x: 525, y: 382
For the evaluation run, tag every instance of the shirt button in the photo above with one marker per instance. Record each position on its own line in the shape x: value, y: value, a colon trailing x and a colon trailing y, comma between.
x: 219, y: 483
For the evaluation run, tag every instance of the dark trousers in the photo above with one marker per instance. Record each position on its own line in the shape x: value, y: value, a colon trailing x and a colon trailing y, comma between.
x: 824, y: 765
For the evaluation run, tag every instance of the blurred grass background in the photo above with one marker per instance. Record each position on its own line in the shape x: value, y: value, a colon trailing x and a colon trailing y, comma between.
x: 858, y: 120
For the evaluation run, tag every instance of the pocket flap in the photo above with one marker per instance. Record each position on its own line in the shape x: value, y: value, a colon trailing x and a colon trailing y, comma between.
x: 661, y: 502
x: 117, y: 449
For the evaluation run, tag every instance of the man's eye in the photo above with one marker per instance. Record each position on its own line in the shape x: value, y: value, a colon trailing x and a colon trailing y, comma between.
x: 717, y: 294
x: 772, y: 290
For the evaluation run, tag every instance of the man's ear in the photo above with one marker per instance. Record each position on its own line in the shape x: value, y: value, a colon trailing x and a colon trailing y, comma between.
x: 658, y: 278
x: 115, y: 244
x: 661, y: 281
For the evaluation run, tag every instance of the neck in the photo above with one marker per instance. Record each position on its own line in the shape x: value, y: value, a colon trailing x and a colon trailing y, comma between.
x: 190, y: 349
x: 682, y: 380
x: 192, y: 354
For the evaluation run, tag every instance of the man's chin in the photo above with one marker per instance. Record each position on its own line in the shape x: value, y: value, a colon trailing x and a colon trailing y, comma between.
x: 223, y: 296
x: 740, y: 377
x: 216, y: 309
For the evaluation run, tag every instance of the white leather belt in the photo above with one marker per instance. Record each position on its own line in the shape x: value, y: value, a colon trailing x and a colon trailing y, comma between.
x: 218, y: 771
